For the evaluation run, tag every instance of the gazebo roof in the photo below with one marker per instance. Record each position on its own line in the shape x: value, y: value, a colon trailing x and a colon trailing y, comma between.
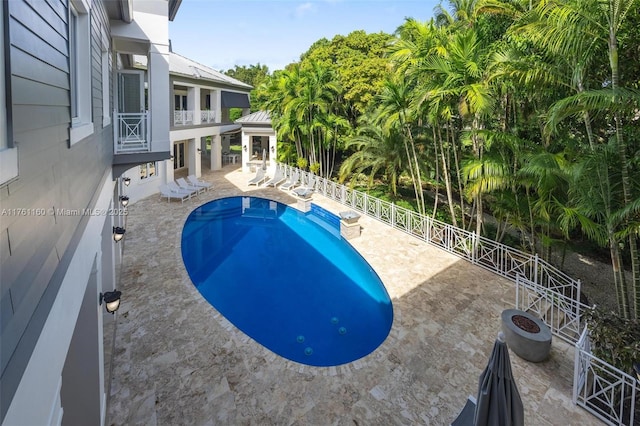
x: 256, y: 118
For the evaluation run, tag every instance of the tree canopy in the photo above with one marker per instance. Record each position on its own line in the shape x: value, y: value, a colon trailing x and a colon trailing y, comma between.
x: 527, y: 110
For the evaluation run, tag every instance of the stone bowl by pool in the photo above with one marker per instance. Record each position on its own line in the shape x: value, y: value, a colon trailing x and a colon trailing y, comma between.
x: 286, y: 281
x: 349, y: 216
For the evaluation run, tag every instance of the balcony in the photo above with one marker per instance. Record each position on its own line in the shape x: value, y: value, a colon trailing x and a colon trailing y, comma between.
x: 186, y: 117
x: 131, y: 133
x: 182, y: 118
x: 207, y: 116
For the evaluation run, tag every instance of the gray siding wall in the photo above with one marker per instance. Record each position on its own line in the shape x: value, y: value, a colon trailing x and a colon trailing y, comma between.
x: 52, y: 175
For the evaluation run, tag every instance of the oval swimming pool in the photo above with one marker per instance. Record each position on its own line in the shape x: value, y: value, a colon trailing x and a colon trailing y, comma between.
x: 285, y: 281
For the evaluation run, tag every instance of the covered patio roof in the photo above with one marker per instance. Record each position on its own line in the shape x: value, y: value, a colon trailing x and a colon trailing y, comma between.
x: 256, y: 119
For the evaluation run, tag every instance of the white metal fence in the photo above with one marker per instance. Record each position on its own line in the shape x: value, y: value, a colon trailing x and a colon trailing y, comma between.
x: 607, y: 392
x: 560, y: 312
x: 496, y: 257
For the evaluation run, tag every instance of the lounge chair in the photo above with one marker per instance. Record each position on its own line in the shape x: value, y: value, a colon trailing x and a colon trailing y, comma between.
x: 292, y: 182
x: 193, y: 180
x: 173, y: 187
x: 182, y: 183
x: 258, y: 178
x: 276, y: 179
x: 166, y: 192
x: 305, y: 191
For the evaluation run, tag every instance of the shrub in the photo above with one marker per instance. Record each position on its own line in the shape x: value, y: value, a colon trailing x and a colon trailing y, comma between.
x: 302, y: 163
x: 614, y: 339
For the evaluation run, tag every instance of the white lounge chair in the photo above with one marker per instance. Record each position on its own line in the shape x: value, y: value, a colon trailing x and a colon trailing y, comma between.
x: 305, y: 191
x: 276, y: 179
x: 166, y: 192
x: 258, y: 178
x: 292, y: 182
x: 193, y: 180
x: 182, y: 183
x: 173, y: 187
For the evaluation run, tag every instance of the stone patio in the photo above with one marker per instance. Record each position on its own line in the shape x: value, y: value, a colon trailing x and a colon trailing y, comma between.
x: 178, y: 361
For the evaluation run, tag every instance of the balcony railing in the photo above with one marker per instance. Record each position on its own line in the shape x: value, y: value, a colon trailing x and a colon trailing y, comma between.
x: 182, y: 118
x: 207, y: 116
x: 131, y: 133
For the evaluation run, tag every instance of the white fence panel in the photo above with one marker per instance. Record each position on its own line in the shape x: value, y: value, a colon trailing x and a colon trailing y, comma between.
x: 605, y: 391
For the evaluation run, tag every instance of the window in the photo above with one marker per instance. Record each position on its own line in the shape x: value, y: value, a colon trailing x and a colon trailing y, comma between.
x: 147, y: 170
x: 181, y: 102
x: 79, y: 71
x: 178, y: 155
x: 8, y: 153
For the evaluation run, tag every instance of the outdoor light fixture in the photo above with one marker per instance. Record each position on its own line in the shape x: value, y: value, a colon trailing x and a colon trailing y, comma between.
x: 111, y: 300
x: 118, y: 233
x: 127, y: 181
x: 124, y: 200
x: 199, y: 150
x: 273, y: 148
x: 244, y: 148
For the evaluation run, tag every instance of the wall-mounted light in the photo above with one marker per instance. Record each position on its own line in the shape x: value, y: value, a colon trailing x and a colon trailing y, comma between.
x: 118, y: 233
x: 124, y: 200
x: 126, y: 180
x: 199, y: 150
x: 111, y: 300
x: 273, y: 148
x: 244, y: 148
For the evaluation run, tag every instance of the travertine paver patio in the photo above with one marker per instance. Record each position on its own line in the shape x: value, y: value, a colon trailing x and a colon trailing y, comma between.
x: 178, y: 361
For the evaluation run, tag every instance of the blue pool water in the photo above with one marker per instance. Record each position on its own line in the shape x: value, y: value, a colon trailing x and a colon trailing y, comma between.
x: 286, y: 280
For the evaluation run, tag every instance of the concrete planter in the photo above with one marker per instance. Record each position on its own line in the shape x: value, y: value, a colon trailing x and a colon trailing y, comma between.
x: 532, y: 346
x: 349, y: 216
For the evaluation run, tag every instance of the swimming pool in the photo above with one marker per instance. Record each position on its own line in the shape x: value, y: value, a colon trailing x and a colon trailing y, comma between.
x: 285, y: 281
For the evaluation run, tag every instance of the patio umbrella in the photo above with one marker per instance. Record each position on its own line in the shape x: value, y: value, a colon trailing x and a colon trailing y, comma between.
x: 498, y: 402
x: 264, y: 159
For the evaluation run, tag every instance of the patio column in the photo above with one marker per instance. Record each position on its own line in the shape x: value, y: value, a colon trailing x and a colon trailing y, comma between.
x: 193, y: 103
x: 273, y: 152
x: 158, y: 99
x: 246, y: 151
x: 168, y: 165
x: 194, y: 156
x: 216, y: 158
x: 216, y: 105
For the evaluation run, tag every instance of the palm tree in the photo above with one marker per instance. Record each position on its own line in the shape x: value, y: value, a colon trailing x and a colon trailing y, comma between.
x: 396, y: 112
x: 459, y: 74
x: 377, y: 153
x: 564, y: 27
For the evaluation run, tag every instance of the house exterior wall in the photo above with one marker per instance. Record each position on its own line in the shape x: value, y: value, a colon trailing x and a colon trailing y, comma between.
x: 56, y: 218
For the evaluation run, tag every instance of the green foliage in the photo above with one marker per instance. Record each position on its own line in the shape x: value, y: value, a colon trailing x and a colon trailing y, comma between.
x: 314, y: 168
x: 614, y: 339
x: 234, y: 114
x: 253, y: 75
x: 525, y: 110
x: 359, y: 62
x: 302, y: 163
